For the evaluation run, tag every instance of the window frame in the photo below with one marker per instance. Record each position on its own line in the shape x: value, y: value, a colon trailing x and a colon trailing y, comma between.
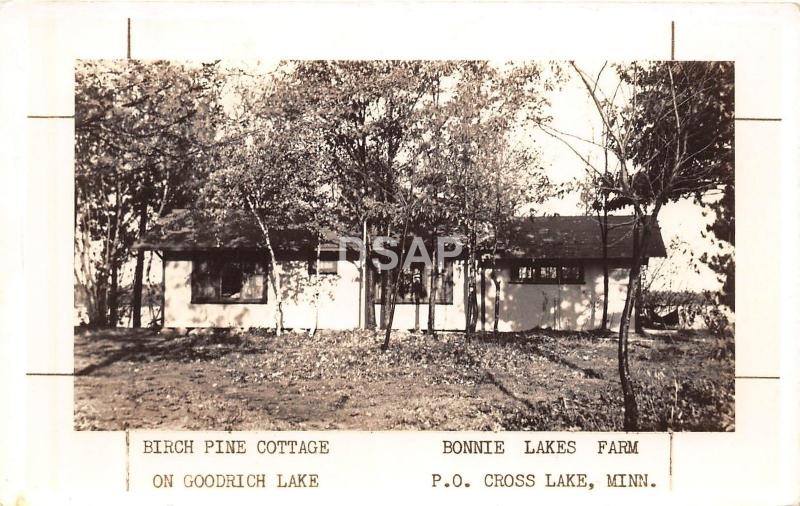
x: 219, y: 260
x: 537, y: 279
x: 312, y: 267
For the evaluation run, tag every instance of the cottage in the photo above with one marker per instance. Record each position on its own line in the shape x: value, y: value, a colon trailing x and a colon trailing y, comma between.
x: 549, y: 274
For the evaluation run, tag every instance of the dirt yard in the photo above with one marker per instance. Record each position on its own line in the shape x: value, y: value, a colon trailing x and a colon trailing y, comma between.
x: 537, y: 380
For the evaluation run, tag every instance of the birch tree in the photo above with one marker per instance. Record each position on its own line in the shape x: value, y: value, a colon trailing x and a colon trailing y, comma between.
x: 363, y: 112
x: 266, y: 165
x: 488, y: 103
x: 672, y: 138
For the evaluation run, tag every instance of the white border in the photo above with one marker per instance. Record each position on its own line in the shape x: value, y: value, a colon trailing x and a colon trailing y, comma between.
x: 43, y: 460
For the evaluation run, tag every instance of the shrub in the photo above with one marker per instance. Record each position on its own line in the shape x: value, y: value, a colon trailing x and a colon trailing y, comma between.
x: 688, y: 405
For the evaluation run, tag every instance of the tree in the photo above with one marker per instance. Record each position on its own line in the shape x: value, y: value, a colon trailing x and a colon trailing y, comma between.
x: 364, y: 112
x: 594, y: 197
x: 723, y: 230
x: 595, y: 188
x: 672, y: 137
x: 435, y: 216
x: 488, y: 104
x: 517, y: 181
x: 140, y: 130
x: 265, y: 164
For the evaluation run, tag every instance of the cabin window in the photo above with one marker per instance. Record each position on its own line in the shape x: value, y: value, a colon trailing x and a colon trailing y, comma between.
x: 413, y: 286
x: 237, y: 279
x: 326, y: 266
x: 524, y: 273
x: 572, y: 274
x: 547, y: 274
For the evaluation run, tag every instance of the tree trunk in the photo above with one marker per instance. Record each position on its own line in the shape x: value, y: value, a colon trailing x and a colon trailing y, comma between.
x: 473, y: 307
x: 641, y: 236
x: 631, y: 417
x: 637, y: 306
x: 604, y: 238
x: 416, y: 312
x: 432, y: 295
x: 390, y: 315
x: 111, y: 259
x: 369, y: 280
x: 91, y: 279
x: 136, y: 305
x: 100, y: 316
x: 317, y: 283
x: 276, y: 289
x: 467, y: 296
x: 369, y: 296
x: 604, y: 325
x: 496, y: 281
x: 387, y: 284
x: 272, y: 275
x: 390, y: 300
x: 604, y: 235
x: 113, y: 309
x: 472, y: 297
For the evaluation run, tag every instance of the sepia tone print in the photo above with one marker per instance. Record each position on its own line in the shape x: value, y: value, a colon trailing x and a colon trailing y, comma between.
x: 410, y: 245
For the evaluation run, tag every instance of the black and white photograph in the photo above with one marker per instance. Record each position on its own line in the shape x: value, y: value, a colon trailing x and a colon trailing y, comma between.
x: 415, y: 245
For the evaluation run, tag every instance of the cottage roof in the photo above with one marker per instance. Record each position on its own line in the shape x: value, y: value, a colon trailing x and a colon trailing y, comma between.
x: 211, y: 229
x: 575, y: 237
x: 550, y: 237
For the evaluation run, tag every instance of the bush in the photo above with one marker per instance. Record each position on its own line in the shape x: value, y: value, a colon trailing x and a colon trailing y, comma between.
x: 688, y: 405
x: 716, y: 322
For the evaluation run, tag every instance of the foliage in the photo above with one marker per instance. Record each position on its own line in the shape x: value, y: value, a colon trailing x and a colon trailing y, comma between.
x: 690, y: 307
x: 697, y: 157
x: 398, y: 145
x: 669, y: 126
x: 723, y: 230
x: 141, y: 129
x: 362, y: 113
x: 489, y: 180
x: 672, y: 298
x: 407, y: 147
x: 688, y: 405
x: 679, y: 129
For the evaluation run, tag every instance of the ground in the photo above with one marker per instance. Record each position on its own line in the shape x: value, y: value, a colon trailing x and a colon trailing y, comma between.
x: 537, y: 380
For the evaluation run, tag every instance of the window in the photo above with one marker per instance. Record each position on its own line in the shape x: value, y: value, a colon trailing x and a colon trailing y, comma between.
x: 414, y: 284
x: 237, y: 279
x: 572, y: 274
x: 547, y: 274
x: 326, y: 266
x: 524, y: 273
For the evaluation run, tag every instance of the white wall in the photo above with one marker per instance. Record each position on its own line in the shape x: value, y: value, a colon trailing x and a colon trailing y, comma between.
x: 447, y: 316
x: 561, y: 307
x: 522, y: 306
x: 341, y: 312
